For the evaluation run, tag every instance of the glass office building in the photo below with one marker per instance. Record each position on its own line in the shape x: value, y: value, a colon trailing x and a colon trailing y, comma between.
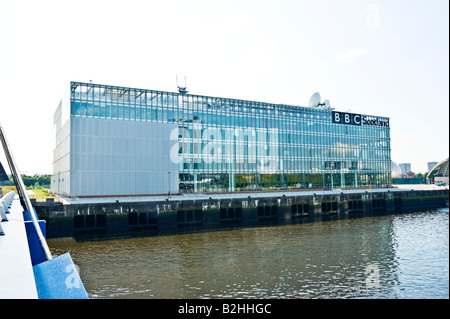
x: 210, y: 144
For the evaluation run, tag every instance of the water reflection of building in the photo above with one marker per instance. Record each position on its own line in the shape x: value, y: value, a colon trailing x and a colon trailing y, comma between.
x: 114, y: 141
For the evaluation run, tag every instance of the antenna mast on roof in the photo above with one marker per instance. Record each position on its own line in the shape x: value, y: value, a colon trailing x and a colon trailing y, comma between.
x: 182, y: 89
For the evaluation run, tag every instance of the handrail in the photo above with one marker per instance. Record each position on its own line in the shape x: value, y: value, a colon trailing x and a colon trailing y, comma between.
x: 5, y: 202
x: 24, y: 195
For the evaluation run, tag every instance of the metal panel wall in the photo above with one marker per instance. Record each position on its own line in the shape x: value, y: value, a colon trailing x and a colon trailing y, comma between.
x: 117, y: 157
x: 60, y: 180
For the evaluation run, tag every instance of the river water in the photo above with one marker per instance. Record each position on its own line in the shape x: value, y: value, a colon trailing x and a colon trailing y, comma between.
x: 384, y: 257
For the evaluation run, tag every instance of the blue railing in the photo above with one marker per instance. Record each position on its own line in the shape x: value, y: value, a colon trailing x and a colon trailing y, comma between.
x: 5, y: 204
x: 55, y: 278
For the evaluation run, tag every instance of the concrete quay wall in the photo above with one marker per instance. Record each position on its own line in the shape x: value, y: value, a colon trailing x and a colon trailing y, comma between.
x: 205, y: 213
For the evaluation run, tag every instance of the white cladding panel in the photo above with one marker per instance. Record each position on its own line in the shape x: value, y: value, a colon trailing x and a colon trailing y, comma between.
x: 60, y: 179
x: 119, y: 157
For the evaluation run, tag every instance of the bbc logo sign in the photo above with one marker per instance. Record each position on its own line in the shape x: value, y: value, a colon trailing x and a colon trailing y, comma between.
x: 346, y: 118
x: 358, y: 119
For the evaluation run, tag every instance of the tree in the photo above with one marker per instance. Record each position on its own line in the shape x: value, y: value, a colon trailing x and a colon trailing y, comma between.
x: 420, y: 175
x: 36, y: 179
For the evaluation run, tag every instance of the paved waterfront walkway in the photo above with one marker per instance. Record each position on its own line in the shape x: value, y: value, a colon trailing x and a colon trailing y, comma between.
x: 16, y: 271
x: 199, y: 196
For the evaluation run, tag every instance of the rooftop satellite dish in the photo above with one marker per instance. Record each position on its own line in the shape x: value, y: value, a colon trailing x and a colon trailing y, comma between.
x: 326, y: 104
x: 314, y: 101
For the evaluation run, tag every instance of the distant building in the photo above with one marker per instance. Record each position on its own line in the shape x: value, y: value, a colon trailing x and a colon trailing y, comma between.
x: 396, y: 171
x: 439, y: 173
x: 410, y: 174
x: 404, y: 178
x: 405, y: 167
x: 431, y: 165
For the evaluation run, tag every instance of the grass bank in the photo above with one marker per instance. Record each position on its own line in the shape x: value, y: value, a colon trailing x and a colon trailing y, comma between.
x: 40, y: 194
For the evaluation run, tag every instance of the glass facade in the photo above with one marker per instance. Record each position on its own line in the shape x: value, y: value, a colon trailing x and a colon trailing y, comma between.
x: 237, y: 145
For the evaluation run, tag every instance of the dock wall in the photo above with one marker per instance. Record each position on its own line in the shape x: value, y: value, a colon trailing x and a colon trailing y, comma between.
x: 181, y: 214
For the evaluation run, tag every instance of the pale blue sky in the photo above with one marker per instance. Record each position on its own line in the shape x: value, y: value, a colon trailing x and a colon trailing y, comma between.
x: 387, y: 58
